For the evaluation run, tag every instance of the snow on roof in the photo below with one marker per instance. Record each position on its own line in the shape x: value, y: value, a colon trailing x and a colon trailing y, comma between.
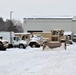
x: 74, y: 18
x: 67, y: 33
x: 50, y: 16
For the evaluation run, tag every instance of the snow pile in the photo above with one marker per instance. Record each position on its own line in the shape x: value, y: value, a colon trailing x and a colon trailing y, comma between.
x: 35, y: 61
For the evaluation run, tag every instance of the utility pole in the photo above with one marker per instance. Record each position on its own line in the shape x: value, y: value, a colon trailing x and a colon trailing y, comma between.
x: 11, y: 15
x: 10, y: 25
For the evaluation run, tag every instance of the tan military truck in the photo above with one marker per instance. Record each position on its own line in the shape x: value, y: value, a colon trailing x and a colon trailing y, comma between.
x: 4, y: 44
x: 38, y: 38
x: 53, y: 43
x: 60, y: 33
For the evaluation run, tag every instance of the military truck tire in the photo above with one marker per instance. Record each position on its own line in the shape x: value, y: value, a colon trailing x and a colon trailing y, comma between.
x: 21, y: 46
x: 2, y: 48
x: 34, y: 44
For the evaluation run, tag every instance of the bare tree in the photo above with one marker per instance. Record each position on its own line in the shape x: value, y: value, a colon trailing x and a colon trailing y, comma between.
x: 2, y: 25
x: 11, y: 25
x: 18, y: 25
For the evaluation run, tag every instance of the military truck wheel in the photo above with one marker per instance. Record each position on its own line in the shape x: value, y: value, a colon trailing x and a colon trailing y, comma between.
x: 34, y: 44
x: 22, y: 46
x: 2, y: 48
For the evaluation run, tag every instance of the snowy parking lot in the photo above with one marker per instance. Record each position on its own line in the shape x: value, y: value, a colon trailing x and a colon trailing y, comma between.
x: 35, y: 61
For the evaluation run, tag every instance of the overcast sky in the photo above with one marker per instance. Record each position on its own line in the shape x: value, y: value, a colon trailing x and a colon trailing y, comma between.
x: 24, y: 8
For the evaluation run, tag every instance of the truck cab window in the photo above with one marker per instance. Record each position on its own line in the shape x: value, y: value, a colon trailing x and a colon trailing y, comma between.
x: 17, y: 39
x: 1, y: 38
x: 14, y: 38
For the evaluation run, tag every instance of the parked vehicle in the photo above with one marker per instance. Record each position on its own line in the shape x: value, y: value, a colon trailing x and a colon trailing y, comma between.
x: 74, y: 37
x: 53, y: 43
x: 24, y: 36
x: 69, y: 34
x: 3, y: 44
x: 14, y: 41
x: 60, y: 33
x: 35, y: 41
x: 37, y: 38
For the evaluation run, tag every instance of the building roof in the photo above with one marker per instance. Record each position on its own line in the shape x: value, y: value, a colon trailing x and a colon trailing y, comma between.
x: 51, y: 16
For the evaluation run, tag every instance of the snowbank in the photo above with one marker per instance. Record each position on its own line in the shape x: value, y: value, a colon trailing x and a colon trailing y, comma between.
x: 35, y: 61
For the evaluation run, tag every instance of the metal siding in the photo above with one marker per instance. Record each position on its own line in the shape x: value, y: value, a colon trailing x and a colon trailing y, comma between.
x: 47, y: 25
x: 74, y: 27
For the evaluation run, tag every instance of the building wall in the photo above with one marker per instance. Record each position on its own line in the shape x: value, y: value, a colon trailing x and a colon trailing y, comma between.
x: 48, y: 24
x: 74, y: 27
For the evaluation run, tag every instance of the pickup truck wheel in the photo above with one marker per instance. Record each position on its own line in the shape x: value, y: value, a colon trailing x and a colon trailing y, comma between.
x: 22, y: 46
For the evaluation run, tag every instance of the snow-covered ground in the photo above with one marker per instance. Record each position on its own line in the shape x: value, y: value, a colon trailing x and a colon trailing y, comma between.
x: 35, y: 61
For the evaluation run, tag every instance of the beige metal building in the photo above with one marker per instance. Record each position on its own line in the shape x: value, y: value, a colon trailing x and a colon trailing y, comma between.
x: 46, y: 24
